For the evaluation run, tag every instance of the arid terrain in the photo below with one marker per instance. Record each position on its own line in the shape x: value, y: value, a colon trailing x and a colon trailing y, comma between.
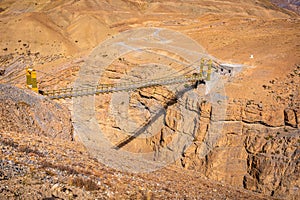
x: 245, y: 147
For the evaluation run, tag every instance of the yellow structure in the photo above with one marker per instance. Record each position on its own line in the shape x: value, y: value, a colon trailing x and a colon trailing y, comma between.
x: 201, y: 67
x: 28, y: 77
x: 209, y: 70
x: 31, y: 81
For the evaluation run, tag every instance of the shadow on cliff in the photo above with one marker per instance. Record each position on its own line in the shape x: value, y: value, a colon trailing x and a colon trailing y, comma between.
x: 161, y: 112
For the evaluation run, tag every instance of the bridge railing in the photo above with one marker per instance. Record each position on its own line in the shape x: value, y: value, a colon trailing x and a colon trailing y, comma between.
x: 118, y: 87
x: 204, y: 73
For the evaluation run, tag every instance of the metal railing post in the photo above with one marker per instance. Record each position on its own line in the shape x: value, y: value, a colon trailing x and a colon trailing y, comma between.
x: 201, y: 66
x: 28, y: 78
x: 209, y: 70
x: 34, y: 81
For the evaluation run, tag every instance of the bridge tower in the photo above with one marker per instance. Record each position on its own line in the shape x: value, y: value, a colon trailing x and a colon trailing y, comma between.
x: 31, y: 81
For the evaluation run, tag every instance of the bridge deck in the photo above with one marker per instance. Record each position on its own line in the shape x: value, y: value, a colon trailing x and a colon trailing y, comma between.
x: 206, y: 68
x: 109, y: 88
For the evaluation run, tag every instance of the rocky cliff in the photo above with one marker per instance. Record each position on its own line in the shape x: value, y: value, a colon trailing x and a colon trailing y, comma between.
x: 259, y: 144
x: 251, y: 143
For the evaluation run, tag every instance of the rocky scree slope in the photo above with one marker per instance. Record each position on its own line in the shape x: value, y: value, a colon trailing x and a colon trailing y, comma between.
x: 25, y: 112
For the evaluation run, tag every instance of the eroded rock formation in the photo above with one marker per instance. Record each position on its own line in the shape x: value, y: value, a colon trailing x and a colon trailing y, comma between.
x: 259, y: 145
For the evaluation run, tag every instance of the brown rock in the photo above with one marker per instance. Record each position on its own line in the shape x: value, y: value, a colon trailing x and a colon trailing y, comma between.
x: 297, y: 112
x: 272, y: 164
x: 250, y: 183
x: 290, y: 117
x: 227, y: 164
x: 273, y: 115
x: 233, y: 127
x: 205, y: 109
x: 173, y: 119
x: 166, y: 136
x: 252, y: 113
x: 202, y: 129
x: 234, y: 111
x: 2, y: 72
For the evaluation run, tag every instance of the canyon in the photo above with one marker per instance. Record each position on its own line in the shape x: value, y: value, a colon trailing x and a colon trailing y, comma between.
x: 241, y: 133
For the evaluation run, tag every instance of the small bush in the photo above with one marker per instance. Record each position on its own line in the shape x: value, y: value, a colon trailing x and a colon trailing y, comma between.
x: 9, y: 142
x: 269, y: 137
x: 28, y: 150
x: 67, y: 169
x: 87, y: 184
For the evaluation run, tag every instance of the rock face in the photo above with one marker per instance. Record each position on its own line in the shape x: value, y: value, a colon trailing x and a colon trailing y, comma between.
x: 259, y: 144
x: 254, y: 144
x: 25, y: 112
x: 273, y: 164
x: 257, y: 149
x: 291, y: 117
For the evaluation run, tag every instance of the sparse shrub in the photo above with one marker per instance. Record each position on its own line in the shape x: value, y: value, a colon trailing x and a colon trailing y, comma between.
x: 69, y: 170
x: 46, y: 164
x: 269, y: 137
x: 49, y: 173
x: 87, y: 184
x: 28, y: 150
x: 278, y: 98
x: 9, y: 142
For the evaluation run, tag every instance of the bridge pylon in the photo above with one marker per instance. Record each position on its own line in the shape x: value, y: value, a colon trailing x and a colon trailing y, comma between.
x: 209, y: 67
x: 31, y: 81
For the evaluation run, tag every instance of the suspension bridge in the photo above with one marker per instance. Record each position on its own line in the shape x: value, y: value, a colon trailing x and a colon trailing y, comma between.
x: 118, y: 87
x: 205, y: 70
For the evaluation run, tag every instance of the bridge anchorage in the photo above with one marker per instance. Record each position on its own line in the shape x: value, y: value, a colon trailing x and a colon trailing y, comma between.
x: 203, y: 74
